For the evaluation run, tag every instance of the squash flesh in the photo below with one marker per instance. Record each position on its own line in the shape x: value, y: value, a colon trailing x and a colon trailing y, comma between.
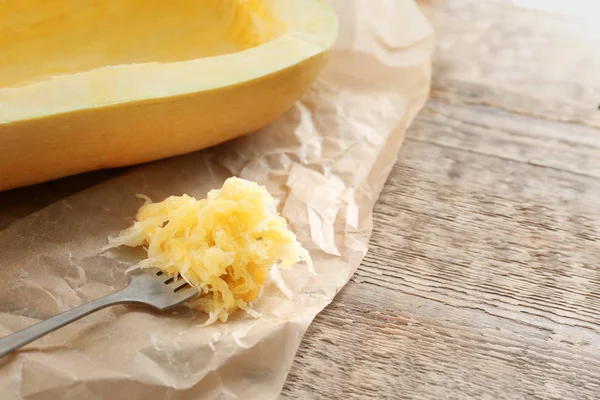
x: 224, y: 245
x: 41, y: 38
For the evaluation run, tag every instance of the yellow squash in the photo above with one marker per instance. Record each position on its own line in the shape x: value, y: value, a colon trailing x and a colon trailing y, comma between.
x: 93, y: 84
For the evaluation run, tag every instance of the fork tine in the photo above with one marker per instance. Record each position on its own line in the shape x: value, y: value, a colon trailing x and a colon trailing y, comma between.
x: 169, y: 280
x: 159, y: 274
x: 159, y: 290
x: 181, y: 286
x: 186, y: 294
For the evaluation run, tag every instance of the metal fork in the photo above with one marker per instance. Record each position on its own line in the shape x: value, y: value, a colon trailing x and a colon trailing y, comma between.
x: 151, y: 287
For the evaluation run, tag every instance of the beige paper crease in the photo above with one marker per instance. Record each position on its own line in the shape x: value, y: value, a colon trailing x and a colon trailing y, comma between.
x: 325, y: 162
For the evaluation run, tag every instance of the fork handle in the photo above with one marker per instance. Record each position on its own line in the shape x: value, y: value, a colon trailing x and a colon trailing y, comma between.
x: 24, y: 336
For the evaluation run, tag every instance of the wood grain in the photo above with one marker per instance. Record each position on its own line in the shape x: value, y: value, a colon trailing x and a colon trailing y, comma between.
x: 483, y: 275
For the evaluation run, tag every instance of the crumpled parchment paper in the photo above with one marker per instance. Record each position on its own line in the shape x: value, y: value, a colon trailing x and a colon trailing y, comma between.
x: 325, y: 161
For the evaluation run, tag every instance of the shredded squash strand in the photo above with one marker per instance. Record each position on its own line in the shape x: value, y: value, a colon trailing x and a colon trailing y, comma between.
x: 223, y: 245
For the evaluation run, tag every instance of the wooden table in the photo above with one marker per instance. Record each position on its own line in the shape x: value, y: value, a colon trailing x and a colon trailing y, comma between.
x: 483, y: 275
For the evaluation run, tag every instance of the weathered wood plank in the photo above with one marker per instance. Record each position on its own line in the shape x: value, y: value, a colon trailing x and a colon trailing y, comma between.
x: 497, y: 133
